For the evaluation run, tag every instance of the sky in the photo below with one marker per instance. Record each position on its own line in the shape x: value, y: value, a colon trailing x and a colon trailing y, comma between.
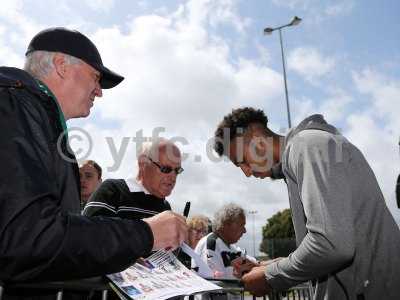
x: 189, y: 63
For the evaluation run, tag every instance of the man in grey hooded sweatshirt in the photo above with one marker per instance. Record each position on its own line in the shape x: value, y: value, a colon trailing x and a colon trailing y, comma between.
x: 348, y: 244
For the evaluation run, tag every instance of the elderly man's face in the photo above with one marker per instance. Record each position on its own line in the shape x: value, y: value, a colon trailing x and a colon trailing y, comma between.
x: 156, y: 182
x: 232, y: 231
x: 85, y: 87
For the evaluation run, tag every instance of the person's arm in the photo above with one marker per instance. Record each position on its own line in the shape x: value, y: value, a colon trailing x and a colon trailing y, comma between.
x: 318, y: 162
x: 38, y: 241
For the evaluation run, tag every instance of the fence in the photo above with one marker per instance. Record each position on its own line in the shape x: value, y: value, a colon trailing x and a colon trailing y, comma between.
x: 279, y: 247
x: 300, y: 292
x: 99, y: 284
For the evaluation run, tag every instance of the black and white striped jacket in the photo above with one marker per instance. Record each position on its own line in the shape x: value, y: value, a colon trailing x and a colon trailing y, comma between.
x: 125, y: 199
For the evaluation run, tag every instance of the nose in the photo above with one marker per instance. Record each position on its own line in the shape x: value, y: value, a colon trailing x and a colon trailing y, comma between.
x: 246, y: 170
x: 171, y: 177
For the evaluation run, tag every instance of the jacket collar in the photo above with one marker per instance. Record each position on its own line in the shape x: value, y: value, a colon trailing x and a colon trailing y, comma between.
x: 14, y: 77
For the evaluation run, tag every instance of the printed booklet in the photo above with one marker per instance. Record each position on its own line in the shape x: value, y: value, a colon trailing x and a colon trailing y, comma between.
x: 160, y: 276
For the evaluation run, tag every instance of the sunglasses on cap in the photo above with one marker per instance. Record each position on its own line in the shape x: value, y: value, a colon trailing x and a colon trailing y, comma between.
x: 167, y: 169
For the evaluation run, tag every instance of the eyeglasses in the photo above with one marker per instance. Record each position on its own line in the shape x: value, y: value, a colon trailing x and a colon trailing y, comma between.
x: 199, y: 231
x: 167, y: 169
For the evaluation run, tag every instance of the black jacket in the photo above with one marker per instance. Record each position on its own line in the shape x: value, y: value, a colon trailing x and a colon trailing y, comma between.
x: 42, y: 236
x: 114, y: 198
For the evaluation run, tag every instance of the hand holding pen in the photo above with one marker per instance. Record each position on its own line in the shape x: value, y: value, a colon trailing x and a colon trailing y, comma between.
x: 169, y: 230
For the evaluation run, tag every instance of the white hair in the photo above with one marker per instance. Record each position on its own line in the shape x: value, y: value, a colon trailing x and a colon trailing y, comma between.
x: 40, y: 63
x: 227, y: 213
x: 151, y: 149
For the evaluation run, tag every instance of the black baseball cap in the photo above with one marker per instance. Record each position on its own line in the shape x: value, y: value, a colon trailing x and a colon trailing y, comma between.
x: 74, y: 43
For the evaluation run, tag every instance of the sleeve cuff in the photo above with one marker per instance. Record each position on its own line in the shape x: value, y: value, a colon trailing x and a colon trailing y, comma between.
x: 273, y: 279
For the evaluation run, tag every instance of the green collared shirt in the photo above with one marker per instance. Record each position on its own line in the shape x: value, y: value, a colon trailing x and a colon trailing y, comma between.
x: 45, y: 89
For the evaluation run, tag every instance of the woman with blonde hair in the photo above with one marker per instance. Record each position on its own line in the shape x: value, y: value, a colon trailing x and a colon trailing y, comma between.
x: 198, y: 227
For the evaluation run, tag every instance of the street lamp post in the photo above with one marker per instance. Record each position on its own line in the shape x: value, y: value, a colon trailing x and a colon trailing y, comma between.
x: 296, y: 20
x: 253, y: 213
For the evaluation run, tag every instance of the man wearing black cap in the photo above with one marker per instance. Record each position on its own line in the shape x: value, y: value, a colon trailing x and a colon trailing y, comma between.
x: 42, y: 235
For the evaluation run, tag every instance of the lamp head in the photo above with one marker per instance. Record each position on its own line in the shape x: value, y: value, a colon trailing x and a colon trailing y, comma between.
x: 296, y: 21
x: 268, y: 30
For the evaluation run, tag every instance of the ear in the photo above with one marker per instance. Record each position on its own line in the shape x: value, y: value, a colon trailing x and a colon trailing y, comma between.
x: 142, y: 160
x: 59, y: 65
x: 141, y: 165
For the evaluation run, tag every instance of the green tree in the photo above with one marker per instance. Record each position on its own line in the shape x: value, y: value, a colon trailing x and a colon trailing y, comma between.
x: 278, y: 235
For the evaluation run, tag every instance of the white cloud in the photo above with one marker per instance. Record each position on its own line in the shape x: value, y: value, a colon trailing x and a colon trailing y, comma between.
x: 20, y: 28
x: 11, y: 9
x: 316, y: 12
x: 335, y: 106
x: 294, y: 4
x: 143, y: 4
x: 379, y: 145
x: 383, y: 94
x: 180, y: 70
x: 310, y: 63
x: 340, y: 8
x: 214, y: 13
x: 100, y: 5
x: 325, y: 8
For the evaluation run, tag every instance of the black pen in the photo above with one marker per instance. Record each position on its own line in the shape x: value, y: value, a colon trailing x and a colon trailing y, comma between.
x: 185, y: 214
x: 186, y: 210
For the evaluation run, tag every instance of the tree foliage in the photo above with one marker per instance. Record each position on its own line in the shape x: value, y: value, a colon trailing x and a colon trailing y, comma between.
x: 278, y: 235
x: 279, y: 225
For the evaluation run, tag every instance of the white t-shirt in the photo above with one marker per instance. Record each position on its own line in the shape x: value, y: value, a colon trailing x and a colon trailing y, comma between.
x: 218, y: 255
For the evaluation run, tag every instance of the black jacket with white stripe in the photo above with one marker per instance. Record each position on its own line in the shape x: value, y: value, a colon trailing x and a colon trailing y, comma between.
x: 124, y: 199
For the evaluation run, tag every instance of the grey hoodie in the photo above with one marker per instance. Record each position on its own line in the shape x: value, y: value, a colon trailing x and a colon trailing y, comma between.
x: 348, y: 242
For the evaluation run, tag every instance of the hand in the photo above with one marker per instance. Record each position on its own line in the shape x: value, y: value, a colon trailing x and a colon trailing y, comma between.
x: 242, y: 265
x: 255, y: 282
x: 169, y: 230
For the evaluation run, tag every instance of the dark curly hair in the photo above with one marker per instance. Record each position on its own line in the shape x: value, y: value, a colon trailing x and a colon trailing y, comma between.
x: 235, y: 125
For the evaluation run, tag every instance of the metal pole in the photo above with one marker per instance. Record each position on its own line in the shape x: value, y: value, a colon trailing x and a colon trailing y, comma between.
x: 254, y: 234
x: 284, y: 79
x: 253, y: 213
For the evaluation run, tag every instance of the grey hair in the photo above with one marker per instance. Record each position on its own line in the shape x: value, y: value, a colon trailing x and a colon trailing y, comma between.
x: 227, y: 213
x: 151, y: 149
x: 40, y: 63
